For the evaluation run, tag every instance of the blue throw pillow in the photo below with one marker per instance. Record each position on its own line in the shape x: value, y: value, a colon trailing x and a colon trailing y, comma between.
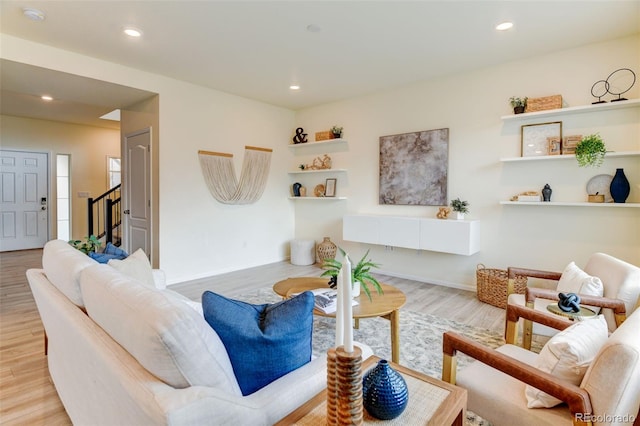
x: 116, y: 251
x: 264, y: 342
x: 103, y: 257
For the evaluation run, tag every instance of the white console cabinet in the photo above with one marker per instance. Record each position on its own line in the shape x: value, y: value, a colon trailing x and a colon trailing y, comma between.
x: 447, y: 236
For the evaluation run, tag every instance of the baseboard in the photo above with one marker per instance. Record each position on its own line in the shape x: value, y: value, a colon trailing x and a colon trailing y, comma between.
x: 468, y: 287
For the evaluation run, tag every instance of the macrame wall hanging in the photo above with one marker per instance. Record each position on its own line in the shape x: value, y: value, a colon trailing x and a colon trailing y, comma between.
x: 220, y: 176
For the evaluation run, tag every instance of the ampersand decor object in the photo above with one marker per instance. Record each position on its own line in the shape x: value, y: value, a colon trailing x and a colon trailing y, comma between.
x: 300, y: 137
x: 569, y: 302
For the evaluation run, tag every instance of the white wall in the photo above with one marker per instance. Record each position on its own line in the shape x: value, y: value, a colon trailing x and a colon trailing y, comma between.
x: 88, y: 147
x: 198, y: 236
x: 470, y: 105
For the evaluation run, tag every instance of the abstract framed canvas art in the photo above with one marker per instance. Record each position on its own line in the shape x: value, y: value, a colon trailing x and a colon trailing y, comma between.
x: 414, y: 168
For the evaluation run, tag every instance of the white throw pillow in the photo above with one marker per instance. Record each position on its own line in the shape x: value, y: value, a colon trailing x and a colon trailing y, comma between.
x: 136, y: 266
x: 567, y: 356
x: 575, y: 280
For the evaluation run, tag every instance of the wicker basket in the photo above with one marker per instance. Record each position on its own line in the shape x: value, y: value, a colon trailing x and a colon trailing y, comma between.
x: 543, y: 104
x: 493, y: 285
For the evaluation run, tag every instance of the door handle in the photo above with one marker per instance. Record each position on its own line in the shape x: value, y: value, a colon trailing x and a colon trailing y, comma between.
x: 126, y: 211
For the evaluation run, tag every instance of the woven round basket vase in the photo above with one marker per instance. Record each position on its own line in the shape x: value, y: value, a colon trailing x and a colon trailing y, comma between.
x: 326, y: 250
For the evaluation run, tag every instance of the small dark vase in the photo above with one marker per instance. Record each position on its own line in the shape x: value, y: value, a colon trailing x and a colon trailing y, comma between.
x: 296, y: 189
x: 384, y: 392
x: 619, y: 187
x: 337, y: 135
x: 518, y: 110
x: 546, y: 193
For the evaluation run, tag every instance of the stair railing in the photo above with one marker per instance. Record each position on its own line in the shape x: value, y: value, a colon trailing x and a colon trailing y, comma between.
x: 105, y: 220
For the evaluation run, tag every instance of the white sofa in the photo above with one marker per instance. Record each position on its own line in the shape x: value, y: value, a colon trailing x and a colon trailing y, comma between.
x: 101, y: 379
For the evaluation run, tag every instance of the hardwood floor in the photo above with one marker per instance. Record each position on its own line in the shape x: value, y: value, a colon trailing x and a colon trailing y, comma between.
x: 27, y: 395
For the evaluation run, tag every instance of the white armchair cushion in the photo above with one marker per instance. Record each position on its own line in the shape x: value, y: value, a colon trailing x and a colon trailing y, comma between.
x: 165, y: 335
x: 575, y: 280
x: 567, y: 356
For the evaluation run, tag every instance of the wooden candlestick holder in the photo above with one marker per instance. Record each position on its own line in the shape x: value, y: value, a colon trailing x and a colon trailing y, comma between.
x: 344, y: 387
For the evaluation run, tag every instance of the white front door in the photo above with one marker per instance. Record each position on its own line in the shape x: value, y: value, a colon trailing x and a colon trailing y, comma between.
x: 137, y: 191
x: 24, y: 216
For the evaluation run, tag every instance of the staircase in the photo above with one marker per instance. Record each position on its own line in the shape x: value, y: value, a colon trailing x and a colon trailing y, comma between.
x: 105, y: 217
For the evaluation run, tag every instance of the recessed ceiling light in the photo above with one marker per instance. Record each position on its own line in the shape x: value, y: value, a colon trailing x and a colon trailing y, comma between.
x: 504, y: 26
x: 132, y: 32
x: 33, y: 14
x: 46, y: 98
x: 294, y: 87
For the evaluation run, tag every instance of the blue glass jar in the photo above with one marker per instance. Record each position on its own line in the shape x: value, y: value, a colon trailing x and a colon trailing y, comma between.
x: 384, y: 392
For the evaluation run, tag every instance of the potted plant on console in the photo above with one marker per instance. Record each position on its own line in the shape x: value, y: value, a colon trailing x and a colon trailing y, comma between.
x: 460, y: 207
x: 337, y: 132
x: 518, y: 104
x: 360, y: 273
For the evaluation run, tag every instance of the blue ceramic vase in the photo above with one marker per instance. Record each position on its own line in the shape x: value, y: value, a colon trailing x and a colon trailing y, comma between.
x: 384, y: 392
x: 619, y: 187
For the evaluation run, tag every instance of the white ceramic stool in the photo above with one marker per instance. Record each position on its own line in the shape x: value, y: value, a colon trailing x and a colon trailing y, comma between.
x: 303, y: 252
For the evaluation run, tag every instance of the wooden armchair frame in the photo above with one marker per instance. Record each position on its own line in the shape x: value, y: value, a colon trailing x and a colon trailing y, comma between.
x: 532, y: 293
x: 577, y: 399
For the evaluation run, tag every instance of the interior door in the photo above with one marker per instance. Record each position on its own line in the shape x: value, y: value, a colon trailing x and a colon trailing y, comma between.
x: 137, y: 191
x: 24, y: 186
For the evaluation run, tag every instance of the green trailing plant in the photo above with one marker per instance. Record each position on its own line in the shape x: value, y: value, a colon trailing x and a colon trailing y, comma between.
x: 359, y: 272
x: 590, y: 151
x: 518, y: 102
x: 87, y: 244
x: 460, y: 206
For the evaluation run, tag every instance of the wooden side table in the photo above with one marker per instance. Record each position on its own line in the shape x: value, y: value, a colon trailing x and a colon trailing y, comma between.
x: 386, y: 305
x: 431, y: 402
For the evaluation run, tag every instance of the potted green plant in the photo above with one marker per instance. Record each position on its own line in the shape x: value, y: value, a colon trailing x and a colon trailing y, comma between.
x: 460, y: 207
x: 590, y: 151
x: 360, y: 273
x: 337, y: 132
x: 518, y: 104
x: 87, y: 244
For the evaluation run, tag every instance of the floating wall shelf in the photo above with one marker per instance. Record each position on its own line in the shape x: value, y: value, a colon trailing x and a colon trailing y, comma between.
x: 327, y: 142
x: 307, y: 172
x: 318, y: 198
x: 563, y: 204
x: 632, y: 103
x: 568, y: 156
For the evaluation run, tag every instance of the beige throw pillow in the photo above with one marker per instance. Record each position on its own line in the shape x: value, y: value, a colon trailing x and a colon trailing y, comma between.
x: 136, y: 266
x: 567, y: 356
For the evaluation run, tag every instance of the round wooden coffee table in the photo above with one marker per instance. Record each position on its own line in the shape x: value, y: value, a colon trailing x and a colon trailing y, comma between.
x: 386, y: 305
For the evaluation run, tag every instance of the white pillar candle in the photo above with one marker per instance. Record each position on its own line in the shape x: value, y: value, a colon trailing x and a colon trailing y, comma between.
x: 348, y: 306
x: 339, y: 310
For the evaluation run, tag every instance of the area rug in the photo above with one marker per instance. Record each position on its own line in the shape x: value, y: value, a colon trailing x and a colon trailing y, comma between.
x: 420, y: 338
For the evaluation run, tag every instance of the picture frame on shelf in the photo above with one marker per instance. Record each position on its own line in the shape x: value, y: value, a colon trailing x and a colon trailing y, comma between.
x: 534, y: 138
x: 569, y: 144
x: 330, y: 187
x: 554, y: 146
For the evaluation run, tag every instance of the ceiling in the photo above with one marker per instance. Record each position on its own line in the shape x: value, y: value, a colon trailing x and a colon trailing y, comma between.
x: 257, y: 49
